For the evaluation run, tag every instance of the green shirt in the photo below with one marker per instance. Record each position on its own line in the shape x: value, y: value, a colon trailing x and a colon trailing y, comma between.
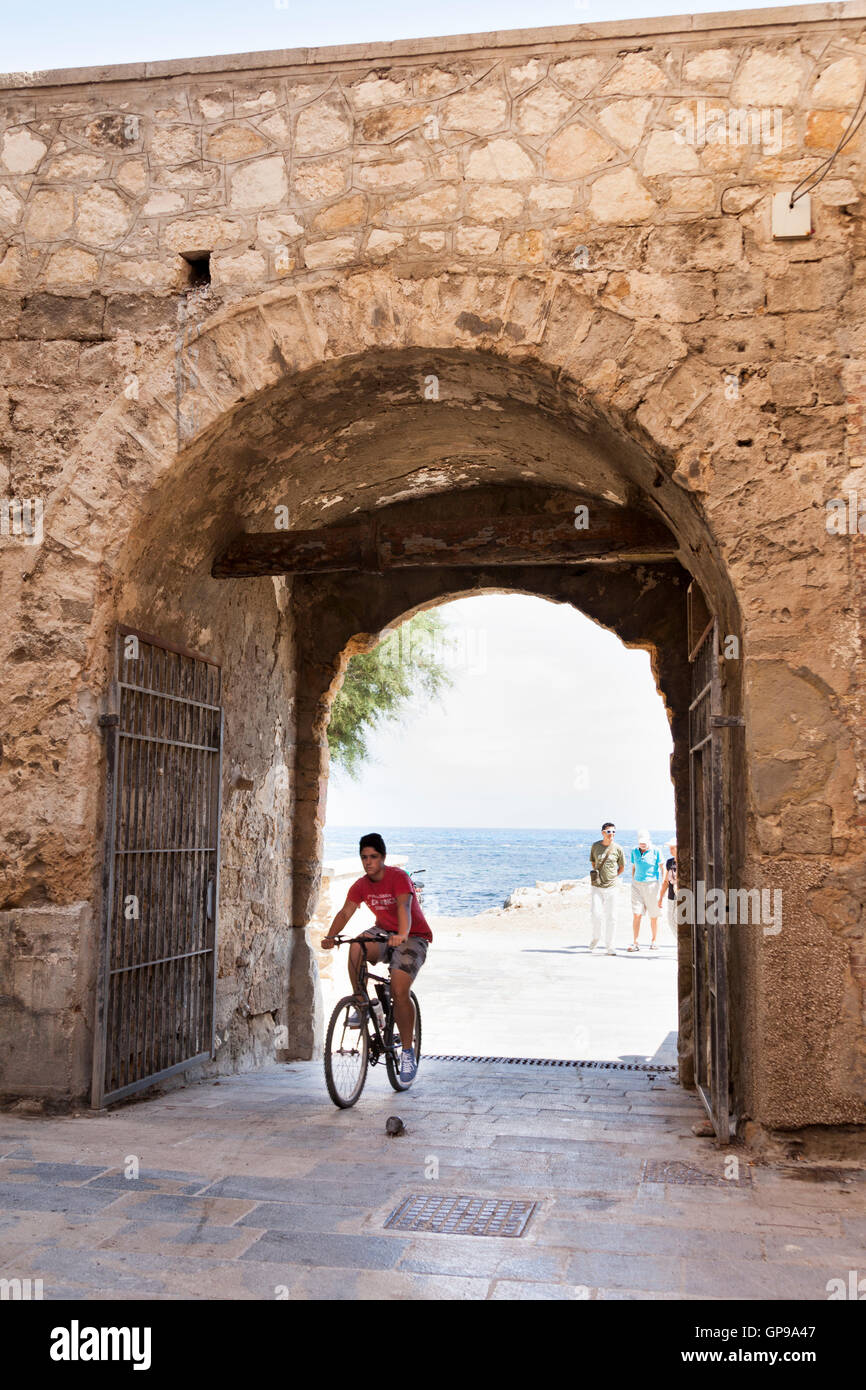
x: 613, y: 862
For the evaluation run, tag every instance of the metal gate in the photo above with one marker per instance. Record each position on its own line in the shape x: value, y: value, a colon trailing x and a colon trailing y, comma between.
x: 157, y: 975
x: 709, y: 939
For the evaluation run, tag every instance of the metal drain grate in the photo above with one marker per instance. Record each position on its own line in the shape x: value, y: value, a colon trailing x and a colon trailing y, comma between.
x: 679, y: 1174
x: 461, y: 1216
x: 654, y: 1068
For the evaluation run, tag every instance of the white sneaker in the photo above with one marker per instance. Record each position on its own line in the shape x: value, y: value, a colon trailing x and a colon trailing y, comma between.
x: 611, y: 952
x: 593, y: 944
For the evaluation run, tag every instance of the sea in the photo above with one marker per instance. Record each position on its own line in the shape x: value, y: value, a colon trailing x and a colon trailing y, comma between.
x: 466, y: 870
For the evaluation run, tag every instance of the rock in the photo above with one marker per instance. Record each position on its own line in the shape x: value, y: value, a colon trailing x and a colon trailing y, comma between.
x: 692, y: 195
x: 319, y: 179
x: 714, y: 65
x: 436, y: 206
x: 527, y: 75
x: 195, y: 235
x: 620, y: 197
x: 551, y: 196
x: 70, y: 167
x: 176, y: 144
x: 393, y: 121
x: 132, y: 175
x: 21, y: 151
x: 71, y: 266
x: 542, y: 110
x: 480, y: 111
x: 624, y: 121
x: 580, y: 75
x: 248, y: 270
x: 233, y: 142
x: 378, y: 91
x: 767, y: 79
x: 49, y: 214
x: 635, y: 74
x: 499, y: 159
x: 667, y: 154
x: 395, y: 1126
x: 491, y: 201
x: 278, y: 227
x: 401, y: 173
x: 162, y: 204
x: 337, y: 251
x: 577, y: 151
x: 824, y: 129
x: 382, y: 243
x: 323, y: 126
x: 476, y: 241
x: 103, y: 216
x: 261, y: 184
x: 840, y: 84
x: 351, y: 212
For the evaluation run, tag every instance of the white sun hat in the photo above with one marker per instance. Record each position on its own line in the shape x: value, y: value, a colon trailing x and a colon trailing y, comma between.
x: 643, y: 837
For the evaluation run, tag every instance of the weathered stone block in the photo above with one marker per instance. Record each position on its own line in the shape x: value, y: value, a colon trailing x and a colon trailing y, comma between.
x: 139, y: 314
x: 792, y: 383
x: 807, y: 829
x: 499, y: 159
x: 325, y: 125
x: 620, y: 197
x: 260, y: 184
x: 58, y: 316
x: 21, y: 151
x: 575, y: 151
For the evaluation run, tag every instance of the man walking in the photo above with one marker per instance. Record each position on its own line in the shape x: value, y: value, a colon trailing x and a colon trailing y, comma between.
x: 608, y: 862
x: 645, y: 875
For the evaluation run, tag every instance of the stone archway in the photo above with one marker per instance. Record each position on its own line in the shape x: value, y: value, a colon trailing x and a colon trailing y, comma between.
x: 313, y: 399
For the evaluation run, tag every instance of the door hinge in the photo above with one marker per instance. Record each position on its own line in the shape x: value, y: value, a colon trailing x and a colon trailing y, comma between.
x: 727, y: 721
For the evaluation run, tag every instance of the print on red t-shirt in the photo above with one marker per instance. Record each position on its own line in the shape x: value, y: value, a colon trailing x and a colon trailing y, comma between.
x: 381, y: 898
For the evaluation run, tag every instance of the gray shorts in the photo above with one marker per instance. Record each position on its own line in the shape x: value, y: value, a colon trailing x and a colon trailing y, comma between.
x: 409, y: 956
x: 645, y: 898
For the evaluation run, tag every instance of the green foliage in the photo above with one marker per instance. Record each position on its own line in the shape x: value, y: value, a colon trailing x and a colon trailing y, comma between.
x: 379, y: 686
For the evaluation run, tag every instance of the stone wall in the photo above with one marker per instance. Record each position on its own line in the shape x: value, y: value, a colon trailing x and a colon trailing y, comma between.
x: 503, y: 262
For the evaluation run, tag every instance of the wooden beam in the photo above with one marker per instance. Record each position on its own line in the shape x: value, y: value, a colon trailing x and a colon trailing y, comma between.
x: 374, y: 546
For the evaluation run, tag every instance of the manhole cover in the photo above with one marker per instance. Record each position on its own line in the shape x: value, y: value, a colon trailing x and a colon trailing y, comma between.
x: 684, y: 1175
x: 461, y: 1216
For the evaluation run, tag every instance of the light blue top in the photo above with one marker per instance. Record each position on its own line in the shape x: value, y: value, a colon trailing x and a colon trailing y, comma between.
x: 647, y: 866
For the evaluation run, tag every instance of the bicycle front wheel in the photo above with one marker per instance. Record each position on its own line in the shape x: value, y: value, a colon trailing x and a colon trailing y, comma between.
x: 346, y: 1052
x: 394, y: 1047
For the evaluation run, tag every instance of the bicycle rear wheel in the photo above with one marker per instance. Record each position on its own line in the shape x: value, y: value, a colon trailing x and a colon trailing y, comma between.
x: 394, y: 1047
x: 346, y: 1052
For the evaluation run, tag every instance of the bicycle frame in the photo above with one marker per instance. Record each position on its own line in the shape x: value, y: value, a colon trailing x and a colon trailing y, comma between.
x: 377, y: 1036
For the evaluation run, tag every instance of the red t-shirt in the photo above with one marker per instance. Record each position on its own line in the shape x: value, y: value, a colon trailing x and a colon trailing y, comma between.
x: 381, y: 898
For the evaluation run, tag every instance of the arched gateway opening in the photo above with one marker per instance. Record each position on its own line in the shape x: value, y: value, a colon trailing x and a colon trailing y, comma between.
x: 351, y: 451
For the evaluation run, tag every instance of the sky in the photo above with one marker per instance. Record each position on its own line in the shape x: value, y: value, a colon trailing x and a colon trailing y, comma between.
x: 82, y: 33
x: 551, y: 723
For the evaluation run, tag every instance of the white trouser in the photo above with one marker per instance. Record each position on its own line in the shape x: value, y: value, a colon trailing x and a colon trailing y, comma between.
x: 603, y: 905
x: 671, y: 916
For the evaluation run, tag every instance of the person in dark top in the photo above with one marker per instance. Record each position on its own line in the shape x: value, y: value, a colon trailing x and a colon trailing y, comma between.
x: 669, y: 884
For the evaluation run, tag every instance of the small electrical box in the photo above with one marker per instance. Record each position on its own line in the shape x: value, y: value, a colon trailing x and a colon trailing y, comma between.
x: 792, y: 223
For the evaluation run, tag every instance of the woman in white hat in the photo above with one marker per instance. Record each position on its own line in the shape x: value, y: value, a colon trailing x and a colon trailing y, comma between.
x: 646, y: 872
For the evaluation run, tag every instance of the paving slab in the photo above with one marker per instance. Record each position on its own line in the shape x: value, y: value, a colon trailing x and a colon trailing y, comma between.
x: 289, y: 1198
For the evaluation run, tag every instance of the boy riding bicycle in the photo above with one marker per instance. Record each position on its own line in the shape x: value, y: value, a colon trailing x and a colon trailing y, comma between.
x: 390, y: 895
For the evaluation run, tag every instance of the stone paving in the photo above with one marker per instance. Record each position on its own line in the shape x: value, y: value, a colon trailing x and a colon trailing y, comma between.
x: 256, y: 1187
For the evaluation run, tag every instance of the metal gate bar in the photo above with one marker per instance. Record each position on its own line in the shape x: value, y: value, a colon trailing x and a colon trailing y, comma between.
x: 157, y: 978
x: 709, y: 939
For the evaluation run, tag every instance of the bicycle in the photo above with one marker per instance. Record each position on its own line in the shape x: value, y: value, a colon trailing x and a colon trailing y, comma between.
x: 350, y: 1051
